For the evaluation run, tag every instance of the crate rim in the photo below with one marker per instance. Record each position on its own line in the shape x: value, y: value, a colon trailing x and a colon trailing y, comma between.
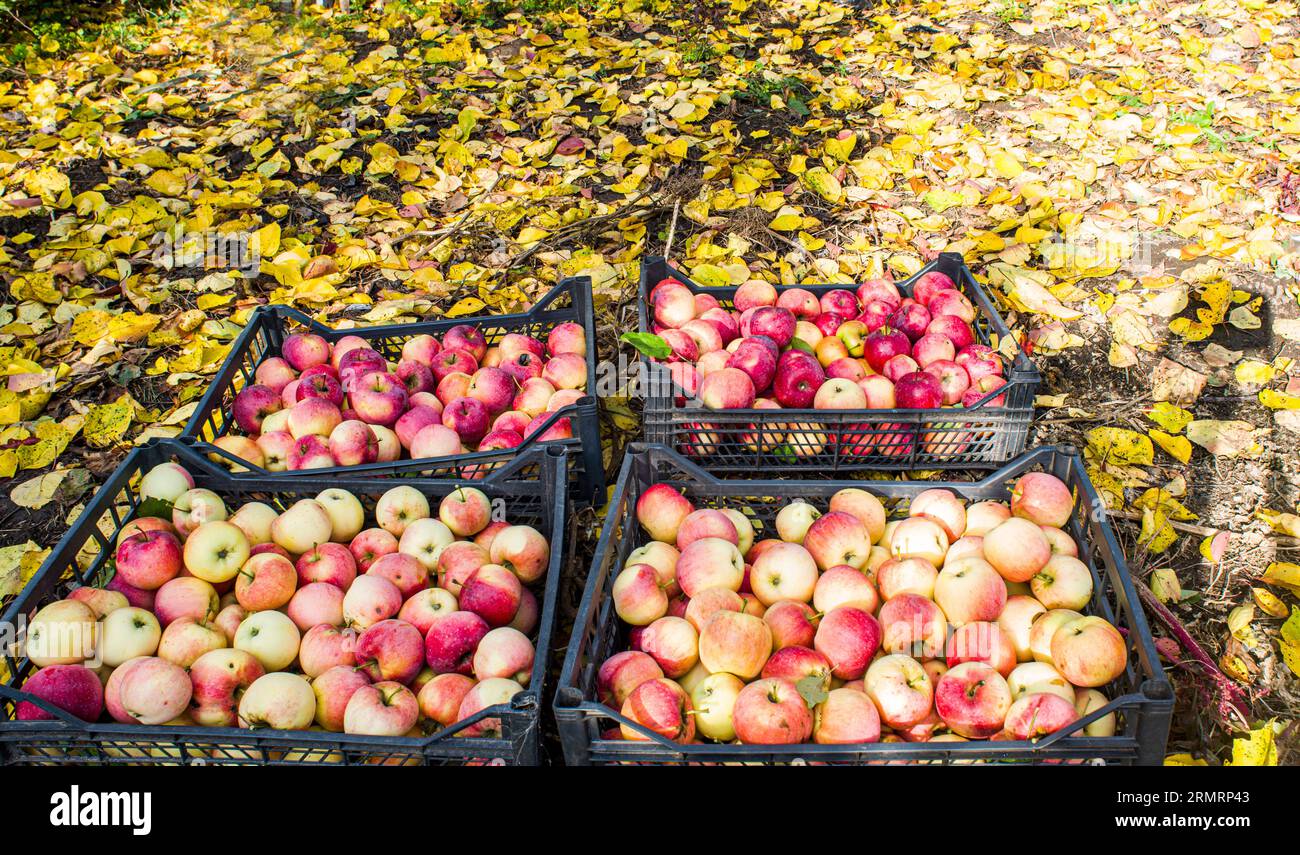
x: 1153, y: 688
x: 554, y: 462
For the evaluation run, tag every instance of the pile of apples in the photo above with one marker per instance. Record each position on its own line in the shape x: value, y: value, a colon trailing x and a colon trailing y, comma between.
x: 869, y: 349
x: 952, y: 624
x: 319, y: 405
x: 298, y: 619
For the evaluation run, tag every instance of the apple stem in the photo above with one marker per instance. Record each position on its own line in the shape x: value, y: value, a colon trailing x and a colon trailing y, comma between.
x: 1234, y: 705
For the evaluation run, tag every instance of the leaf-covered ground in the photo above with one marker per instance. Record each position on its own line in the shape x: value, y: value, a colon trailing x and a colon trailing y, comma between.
x: 1124, y: 176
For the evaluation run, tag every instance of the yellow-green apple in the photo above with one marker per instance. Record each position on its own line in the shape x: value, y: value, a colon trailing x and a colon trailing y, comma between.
x: 1017, y: 620
x: 504, y: 652
x: 314, y: 604
x: 369, y: 545
x: 901, y: 690
x: 127, y: 633
x: 451, y: 640
x: 63, y: 633
x: 399, y: 507
x: 1039, y: 714
x: 794, y: 520
x: 331, y: 563
x: 1060, y: 541
x: 278, y: 702
x: 846, y: 717
x: 914, y: 625
x: 943, y: 507
x: 621, y: 673
x: 1089, y: 652
x: 153, y: 691
x: 303, y: 527
x: 934, y: 669
x: 981, y: 641
x: 522, y: 550
x: 704, y: 605
x: 402, y: 570
x: 75, y: 689
x: 983, y: 517
x: 1042, y: 498
x: 785, y: 571
x: 345, y: 513
x: 792, y: 623
x: 843, y: 585
x: 186, y: 596
x: 390, y: 447
x: 1028, y: 678
x: 425, y: 539
x: 1017, y: 549
x: 1044, y: 628
x: 465, y: 511
x: 149, y: 559
x: 195, y: 507
x: 906, y: 576
x: 495, y: 691
x: 673, y: 643
x: 186, y: 639
x: 166, y: 481
x: 492, y: 592
x: 369, y: 600
x: 254, y: 519
x: 639, y: 598
x: 710, y: 563
x: 713, y: 700
x: 973, y: 700
x: 849, y: 638
x: 863, y: 505
x: 662, y: 707
x: 325, y: 647
x: 229, y: 618
x: 271, y: 637
x: 919, y: 537
x: 390, y: 650
x: 733, y: 642
x: 423, y: 606
x: 799, y: 663
x: 744, y: 529
x: 215, y: 551
x: 1063, y: 583
x: 278, y: 422
x: 968, y: 546
x: 970, y: 590
x: 838, y: 538
x: 458, y: 562
x: 440, y: 698
x: 839, y: 393
x: 266, y: 581
x: 1088, y: 701
x: 772, y: 712
x: 220, y: 677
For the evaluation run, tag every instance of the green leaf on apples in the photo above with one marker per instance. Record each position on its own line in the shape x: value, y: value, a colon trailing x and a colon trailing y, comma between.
x: 153, y: 507
x: 648, y: 344
x: 813, y: 690
x: 797, y: 343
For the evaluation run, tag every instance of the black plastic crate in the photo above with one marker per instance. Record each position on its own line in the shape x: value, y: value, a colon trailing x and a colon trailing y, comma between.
x: 533, y: 485
x: 269, y: 326
x: 1142, y: 697
x: 731, y: 443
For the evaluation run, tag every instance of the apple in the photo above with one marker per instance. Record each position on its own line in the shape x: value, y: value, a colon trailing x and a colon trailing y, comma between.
x: 186, y: 596
x: 844, y: 585
x: 754, y: 293
x: 390, y: 447
x: 727, y: 389
x: 229, y: 619
x: 458, y: 561
x: 661, y: 510
x: 493, y: 593
x: 451, y: 640
x: 399, y: 507
x: 371, y: 545
x: 793, y: 624
x: 440, y: 698
x: 970, y: 590
x: 983, y: 517
x: 1089, y: 651
x: 914, y: 625
x: 673, y: 643
x: 1017, y: 549
x: 424, y: 539
x: 785, y: 571
x: 662, y: 707
x: 344, y: 346
x: 504, y: 652
x: 883, y: 345
x: 101, y: 602
x: 390, y: 650
x: 1031, y: 677
x: 126, y: 634
x: 771, y: 712
x: 794, y: 520
x: 324, y: 647
x: 920, y: 537
x: 303, y: 527
x: 266, y: 581
x: 166, y: 481
x: 798, y: 377
x: 981, y: 641
x: 305, y: 350
x: 734, y: 642
x: 1063, y: 583
x: 315, y: 604
x: 369, y: 600
x: 710, y: 563
x: 1060, y: 542
x: 907, y: 575
x: 1016, y: 621
x: 186, y: 639
x: 74, y: 689
x: 849, y: 637
x: 639, y: 598
x: 796, y: 664
x: 943, y: 507
x: 1088, y: 701
x: 465, y: 511
x: 1039, y: 714
x: 154, y: 691
x: 973, y: 700
x: 220, y: 678
x: 195, y: 507
x: 836, y: 538
x: 919, y: 390
x: 980, y: 361
x: 330, y: 563
x: 522, y: 550
x: 149, y: 559
x: 379, y: 398
x: 1043, y: 630
x: 901, y: 690
x: 713, y: 699
x: 403, y: 570
x: 271, y: 637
